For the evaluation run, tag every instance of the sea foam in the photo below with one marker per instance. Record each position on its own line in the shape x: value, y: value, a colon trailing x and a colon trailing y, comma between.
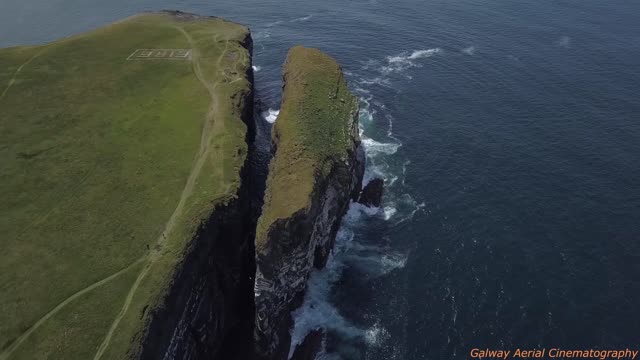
x: 271, y: 115
x: 355, y: 248
x: 405, y: 60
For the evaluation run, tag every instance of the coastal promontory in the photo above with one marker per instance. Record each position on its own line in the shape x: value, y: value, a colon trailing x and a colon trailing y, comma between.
x: 316, y: 170
x: 124, y: 229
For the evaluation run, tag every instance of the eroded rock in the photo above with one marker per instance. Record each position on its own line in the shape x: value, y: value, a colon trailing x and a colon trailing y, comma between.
x: 371, y: 195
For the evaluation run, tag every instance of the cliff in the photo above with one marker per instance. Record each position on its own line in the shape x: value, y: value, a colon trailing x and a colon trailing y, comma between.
x: 206, y: 313
x: 316, y: 169
x: 125, y: 215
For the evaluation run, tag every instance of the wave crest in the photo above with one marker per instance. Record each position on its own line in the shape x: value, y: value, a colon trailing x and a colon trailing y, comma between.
x: 270, y: 115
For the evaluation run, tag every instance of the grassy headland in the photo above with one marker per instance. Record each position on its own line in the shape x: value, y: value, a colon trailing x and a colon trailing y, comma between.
x: 109, y: 165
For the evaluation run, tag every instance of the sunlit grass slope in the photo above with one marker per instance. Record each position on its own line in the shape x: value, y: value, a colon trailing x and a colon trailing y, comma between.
x: 312, y: 132
x: 107, y: 167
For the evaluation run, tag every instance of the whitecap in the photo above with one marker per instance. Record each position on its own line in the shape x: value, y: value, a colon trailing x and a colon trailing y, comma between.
x: 365, y: 115
x: 392, y: 180
x: 256, y: 68
x: 304, y: 18
x: 389, y: 211
x: 356, y: 210
x: 469, y: 50
x: 373, y: 148
x: 419, y: 54
x: 271, y: 115
x: 376, y: 334
x: 360, y: 90
x: 404, y: 170
x: 405, y: 60
x: 317, y: 311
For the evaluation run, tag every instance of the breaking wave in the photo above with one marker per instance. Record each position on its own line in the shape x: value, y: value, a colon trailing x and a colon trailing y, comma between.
x: 355, y: 249
x: 317, y: 310
x: 270, y: 115
x: 406, y: 60
x: 373, y: 147
x: 256, y: 68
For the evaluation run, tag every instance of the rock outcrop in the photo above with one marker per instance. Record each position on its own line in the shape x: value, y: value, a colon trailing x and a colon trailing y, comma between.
x: 316, y: 169
x: 310, y: 346
x: 371, y: 195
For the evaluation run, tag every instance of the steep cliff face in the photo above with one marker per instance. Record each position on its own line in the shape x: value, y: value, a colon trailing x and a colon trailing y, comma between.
x: 316, y: 169
x: 138, y: 174
x: 208, y: 312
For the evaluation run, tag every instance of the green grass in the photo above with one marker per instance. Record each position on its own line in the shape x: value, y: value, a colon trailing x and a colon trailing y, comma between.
x: 313, y: 130
x: 100, y: 156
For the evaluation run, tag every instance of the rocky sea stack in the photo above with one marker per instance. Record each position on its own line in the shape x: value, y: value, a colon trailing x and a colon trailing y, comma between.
x: 371, y: 195
x: 316, y: 170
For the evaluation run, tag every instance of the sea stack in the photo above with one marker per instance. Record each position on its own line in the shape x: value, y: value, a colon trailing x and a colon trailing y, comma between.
x: 316, y: 170
x: 371, y: 195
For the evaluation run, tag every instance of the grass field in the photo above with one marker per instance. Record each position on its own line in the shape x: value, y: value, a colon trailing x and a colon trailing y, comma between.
x: 107, y: 168
x: 313, y: 129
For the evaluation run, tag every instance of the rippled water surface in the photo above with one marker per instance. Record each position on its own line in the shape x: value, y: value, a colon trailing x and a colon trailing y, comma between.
x: 508, y: 133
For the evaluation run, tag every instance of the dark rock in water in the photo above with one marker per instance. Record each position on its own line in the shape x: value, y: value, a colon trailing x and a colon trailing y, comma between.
x: 372, y: 193
x: 310, y: 346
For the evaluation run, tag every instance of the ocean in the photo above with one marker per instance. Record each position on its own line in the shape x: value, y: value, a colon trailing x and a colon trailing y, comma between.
x: 508, y: 135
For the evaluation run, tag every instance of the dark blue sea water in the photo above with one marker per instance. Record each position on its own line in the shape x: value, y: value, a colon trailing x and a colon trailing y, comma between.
x: 508, y: 133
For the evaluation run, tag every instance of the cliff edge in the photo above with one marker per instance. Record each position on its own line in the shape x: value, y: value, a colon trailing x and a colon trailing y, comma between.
x: 316, y: 169
x: 123, y: 151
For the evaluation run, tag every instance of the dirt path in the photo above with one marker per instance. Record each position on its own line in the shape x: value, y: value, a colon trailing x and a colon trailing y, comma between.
x: 8, y: 351
x: 13, y: 79
x: 208, y: 130
x: 210, y: 127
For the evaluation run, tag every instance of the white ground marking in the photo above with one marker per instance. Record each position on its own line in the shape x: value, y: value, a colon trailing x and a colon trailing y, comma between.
x: 160, y: 54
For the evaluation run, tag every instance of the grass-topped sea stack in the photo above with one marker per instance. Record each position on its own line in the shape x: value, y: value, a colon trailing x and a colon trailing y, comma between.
x: 316, y: 169
x: 122, y: 151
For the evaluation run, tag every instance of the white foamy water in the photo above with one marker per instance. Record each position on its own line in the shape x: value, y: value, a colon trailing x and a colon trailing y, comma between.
x: 373, y: 148
x: 317, y: 311
x: 256, y: 68
x: 355, y: 251
x: 406, y: 60
x: 389, y: 211
x: 271, y: 115
x: 469, y: 50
